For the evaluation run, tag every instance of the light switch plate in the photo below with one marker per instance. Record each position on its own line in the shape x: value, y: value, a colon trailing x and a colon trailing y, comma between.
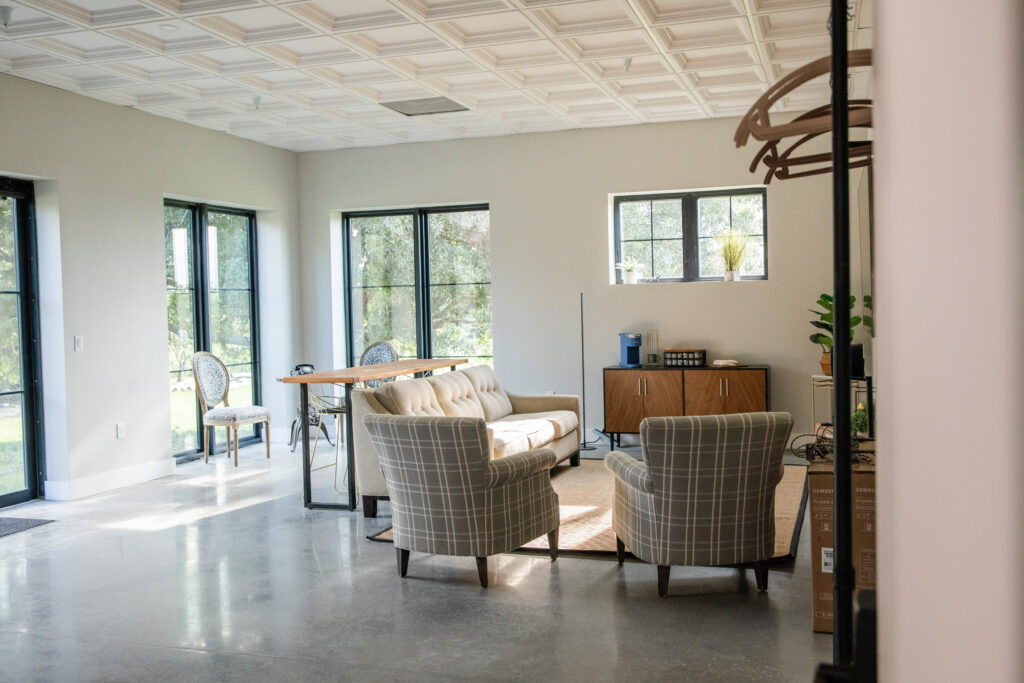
x: 120, y: 430
x: 79, y: 342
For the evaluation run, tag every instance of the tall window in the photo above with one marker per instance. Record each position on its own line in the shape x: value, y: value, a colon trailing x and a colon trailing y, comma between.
x: 677, y: 237
x: 21, y: 440
x: 421, y: 279
x: 210, y: 256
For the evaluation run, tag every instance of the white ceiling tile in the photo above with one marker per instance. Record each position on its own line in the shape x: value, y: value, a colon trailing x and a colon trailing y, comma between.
x: 716, y: 57
x: 489, y: 29
x: 393, y: 92
x: 605, y: 45
x: 256, y: 25
x: 572, y: 93
x: 760, y: 6
x: 342, y: 16
x: 798, y: 49
x: 210, y: 88
x: 322, y: 98
x: 97, y: 13
x: 434, y: 10
x: 356, y: 73
x: 16, y: 56
x: 156, y: 37
x: 316, y: 51
x: 638, y: 67
x: 540, y: 76
x: 87, y: 46
x: 155, y: 70
x: 279, y: 81
x: 663, y: 12
x: 518, y: 55
x: 396, y: 41
x: 197, y: 7
x: 230, y: 61
x: 704, y: 34
x: 780, y: 25
x: 433, y: 64
x: 81, y: 77
x: 469, y: 83
x: 27, y: 22
x: 590, y: 17
x: 752, y: 75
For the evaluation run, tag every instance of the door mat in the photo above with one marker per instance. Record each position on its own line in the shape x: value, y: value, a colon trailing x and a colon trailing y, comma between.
x: 585, y: 496
x: 12, y: 525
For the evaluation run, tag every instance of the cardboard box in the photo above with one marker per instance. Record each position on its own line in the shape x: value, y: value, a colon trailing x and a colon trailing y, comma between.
x: 821, y: 483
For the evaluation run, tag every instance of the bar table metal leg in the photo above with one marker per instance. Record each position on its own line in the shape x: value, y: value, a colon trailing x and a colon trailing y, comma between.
x: 307, y: 485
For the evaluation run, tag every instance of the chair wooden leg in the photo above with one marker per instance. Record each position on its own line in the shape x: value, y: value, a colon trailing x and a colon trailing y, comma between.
x: 663, y: 572
x: 227, y: 441
x: 481, y: 569
x: 553, y: 544
x: 206, y: 443
x: 402, y: 556
x: 266, y: 436
x: 236, y: 446
x: 761, y: 575
x: 620, y: 550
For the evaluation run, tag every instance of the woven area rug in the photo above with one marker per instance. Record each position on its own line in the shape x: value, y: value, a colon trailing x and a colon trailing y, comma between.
x: 585, y: 499
x: 12, y: 525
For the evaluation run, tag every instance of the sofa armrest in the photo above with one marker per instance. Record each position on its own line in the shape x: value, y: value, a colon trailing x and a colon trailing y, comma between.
x: 541, y: 404
x: 632, y: 472
x: 369, y: 479
x: 519, y: 466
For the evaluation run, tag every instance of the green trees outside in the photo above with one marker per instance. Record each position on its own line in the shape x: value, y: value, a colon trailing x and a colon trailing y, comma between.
x: 12, y: 469
x: 383, y: 253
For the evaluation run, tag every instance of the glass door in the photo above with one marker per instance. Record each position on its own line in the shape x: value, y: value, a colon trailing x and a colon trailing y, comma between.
x: 210, y: 258
x: 20, y: 414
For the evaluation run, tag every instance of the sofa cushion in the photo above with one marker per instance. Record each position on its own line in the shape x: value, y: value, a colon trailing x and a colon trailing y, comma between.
x: 562, y: 421
x: 455, y: 395
x: 489, y: 392
x: 517, y: 435
x: 409, y: 397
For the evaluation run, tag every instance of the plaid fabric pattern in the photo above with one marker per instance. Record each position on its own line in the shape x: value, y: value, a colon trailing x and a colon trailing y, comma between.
x: 449, y: 498
x: 711, y: 495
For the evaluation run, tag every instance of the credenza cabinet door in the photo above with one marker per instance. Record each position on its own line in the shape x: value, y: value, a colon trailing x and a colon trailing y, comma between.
x: 623, y: 400
x: 704, y: 391
x: 663, y: 393
x: 744, y: 391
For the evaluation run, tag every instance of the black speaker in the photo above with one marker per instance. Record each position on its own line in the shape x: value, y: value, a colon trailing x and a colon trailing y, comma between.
x: 856, y: 360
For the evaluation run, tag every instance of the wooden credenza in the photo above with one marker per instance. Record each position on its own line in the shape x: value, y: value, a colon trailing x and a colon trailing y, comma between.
x: 630, y: 395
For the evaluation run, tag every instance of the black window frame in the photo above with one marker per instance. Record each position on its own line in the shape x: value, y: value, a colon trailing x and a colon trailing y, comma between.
x: 201, y: 313
x: 33, y: 436
x: 690, y: 230
x: 421, y: 247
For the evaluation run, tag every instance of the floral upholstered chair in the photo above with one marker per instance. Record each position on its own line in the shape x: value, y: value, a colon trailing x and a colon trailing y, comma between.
x: 704, y: 493
x: 212, y: 384
x: 449, y: 498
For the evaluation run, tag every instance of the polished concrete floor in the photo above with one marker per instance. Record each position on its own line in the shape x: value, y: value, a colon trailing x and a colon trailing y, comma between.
x: 218, y: 574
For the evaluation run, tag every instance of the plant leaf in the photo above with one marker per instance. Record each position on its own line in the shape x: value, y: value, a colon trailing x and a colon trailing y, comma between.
x: 822, y: 340
x: 821, y: 325
x: 868, y: 304
x: 825, y: 301
x: 853, y: 300
x: 855, y: 320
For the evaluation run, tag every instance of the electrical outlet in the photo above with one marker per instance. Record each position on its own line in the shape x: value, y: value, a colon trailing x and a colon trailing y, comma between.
x: 120, y: 430
x: 79, y: 343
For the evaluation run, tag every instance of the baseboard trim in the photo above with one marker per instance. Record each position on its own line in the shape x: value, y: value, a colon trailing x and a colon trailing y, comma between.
x: 107, y: 481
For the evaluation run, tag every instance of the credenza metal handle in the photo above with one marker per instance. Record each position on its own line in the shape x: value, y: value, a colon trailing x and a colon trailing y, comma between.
x: 639, y: 392
x: 727, y: 386
x: 720, y: 393
x: 645, y: 386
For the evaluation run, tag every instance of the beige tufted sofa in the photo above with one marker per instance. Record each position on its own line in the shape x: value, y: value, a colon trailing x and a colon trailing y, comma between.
x: 515, y: 424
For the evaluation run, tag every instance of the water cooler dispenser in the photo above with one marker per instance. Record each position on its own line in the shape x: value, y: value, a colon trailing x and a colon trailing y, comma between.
x: 629, y: 348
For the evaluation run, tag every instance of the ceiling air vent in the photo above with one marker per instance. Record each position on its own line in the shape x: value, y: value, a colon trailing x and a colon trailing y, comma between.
x: 424, y: 106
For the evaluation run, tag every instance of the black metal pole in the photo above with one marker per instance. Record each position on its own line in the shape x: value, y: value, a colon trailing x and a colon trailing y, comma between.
x: 307, y: 487
x: 843, y: 577
x: 350, y: 458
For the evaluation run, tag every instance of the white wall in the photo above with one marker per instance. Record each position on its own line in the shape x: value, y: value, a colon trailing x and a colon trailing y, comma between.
x: 950, y: 311
x: 107, y: 170
x: 548, y: 195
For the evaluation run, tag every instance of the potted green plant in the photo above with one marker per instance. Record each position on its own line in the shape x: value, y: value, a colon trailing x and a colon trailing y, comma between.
x: 859, y: 420
x: 733, y: 245
x: 824, y: 322
x: 631, y: 270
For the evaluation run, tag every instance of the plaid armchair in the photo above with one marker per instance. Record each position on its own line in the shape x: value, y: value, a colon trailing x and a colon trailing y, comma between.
x: 449, y: 498
x: 704, y: 493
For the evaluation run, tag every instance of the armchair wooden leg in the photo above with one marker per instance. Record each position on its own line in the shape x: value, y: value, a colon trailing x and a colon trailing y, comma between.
x: 620, y: 550
x: 574, y: 459
x: 761, y: 574
x: 663, y: 572
x: 266, y: 436
x: 553, y: 544
x: 403, y: 561
x: 481, y: 569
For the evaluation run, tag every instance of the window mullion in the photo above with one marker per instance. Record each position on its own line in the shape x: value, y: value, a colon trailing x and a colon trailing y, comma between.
x: 691, y: 245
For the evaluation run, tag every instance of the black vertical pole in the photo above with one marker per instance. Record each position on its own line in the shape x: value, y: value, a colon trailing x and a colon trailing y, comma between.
x: 843, y: 578
x: 307, y: 486
x: 584, y: 446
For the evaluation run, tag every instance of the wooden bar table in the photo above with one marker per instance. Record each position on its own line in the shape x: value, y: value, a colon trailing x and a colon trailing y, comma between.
x: 348, y: 377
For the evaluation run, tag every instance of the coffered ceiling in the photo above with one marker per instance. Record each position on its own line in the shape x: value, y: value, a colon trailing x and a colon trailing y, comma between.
x: 310, y: 74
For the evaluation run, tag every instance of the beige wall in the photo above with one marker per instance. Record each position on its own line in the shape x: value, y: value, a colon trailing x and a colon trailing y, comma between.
x: 949, y: 238
x: 550, y: 240
x: 106, y: 171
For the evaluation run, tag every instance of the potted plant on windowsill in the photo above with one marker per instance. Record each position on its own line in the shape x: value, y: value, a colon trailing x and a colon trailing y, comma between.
x: 824, y: 322
x: 733, y: 246
x: 631, y: 270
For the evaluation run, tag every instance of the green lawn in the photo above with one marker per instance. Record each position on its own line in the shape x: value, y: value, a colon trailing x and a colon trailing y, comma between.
x: 12, y: 464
